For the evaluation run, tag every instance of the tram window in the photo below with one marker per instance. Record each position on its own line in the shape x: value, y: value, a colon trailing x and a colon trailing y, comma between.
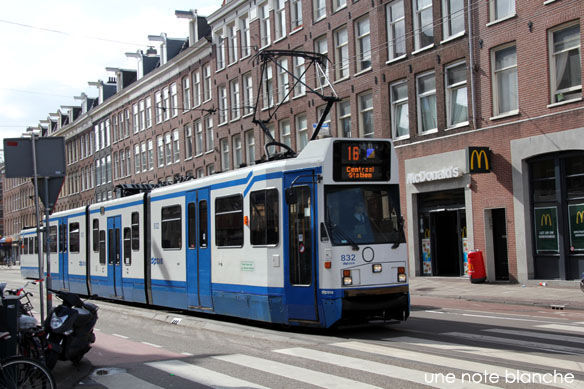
x: 203, y: 233
x: 127, y: 246
x: 229, y: 221
x: 53, y: 239
x: 192, y: 219
x: 264, y: 221
x: 62, y: 238
x: 171, y: 227
x: 101, y: 247
x: 36, y: 245
x: 96, y: 235
x: 74, y: 237
x: 25, y: 246
x: 135, y: 231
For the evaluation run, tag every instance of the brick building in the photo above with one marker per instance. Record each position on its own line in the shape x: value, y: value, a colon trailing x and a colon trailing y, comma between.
x: 437, y: 76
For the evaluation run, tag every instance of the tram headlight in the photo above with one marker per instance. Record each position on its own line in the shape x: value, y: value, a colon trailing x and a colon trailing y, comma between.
x: 376, y: 268
x: 347, y: 279
x: 401, y: 274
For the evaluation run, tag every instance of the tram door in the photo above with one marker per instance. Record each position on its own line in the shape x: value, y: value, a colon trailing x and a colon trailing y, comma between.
x: 114, y: 255
x: 198, y: 251
x: 63, y: 257
x: 299, y: 227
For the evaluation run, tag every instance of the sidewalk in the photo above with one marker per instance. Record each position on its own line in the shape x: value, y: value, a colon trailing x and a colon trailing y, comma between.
x: 559, y: 294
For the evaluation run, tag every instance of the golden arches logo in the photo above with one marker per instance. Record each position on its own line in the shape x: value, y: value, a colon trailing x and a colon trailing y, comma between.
x: 579, y: 217
x: 479, y: 156
x: 546, y: 220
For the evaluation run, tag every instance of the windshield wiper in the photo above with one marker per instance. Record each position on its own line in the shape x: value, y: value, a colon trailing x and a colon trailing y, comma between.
x: 342, y: 235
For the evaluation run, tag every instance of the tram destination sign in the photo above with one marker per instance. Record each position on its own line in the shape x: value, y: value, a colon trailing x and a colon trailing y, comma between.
x: 361, y: 161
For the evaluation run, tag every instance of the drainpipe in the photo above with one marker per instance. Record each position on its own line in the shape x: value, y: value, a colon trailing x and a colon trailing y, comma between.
x: 471, y: 60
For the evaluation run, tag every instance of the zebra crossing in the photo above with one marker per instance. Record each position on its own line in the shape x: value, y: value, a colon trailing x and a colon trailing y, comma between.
x: 513, y: 357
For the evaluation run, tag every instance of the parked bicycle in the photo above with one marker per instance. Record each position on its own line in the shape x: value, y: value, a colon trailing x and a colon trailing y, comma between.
x: 24, y: 373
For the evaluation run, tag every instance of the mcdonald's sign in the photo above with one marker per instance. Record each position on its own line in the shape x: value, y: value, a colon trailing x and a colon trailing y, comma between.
x: 579, y: 217
x: 546, y: 220
x: 479, y: 160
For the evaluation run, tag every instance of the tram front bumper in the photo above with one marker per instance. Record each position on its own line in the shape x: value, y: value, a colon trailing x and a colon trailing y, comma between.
x: 392, y: 302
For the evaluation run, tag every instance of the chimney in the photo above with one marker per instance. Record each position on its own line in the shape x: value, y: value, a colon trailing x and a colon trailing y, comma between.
x: 146, y: 62
x: 123, y: 78
x: 198, y: 27
x: 105, y: 91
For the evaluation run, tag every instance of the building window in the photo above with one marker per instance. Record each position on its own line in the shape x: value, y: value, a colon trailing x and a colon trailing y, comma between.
x: 396, y: 29
x: 565, y: 63
x: 453, y: 20
x: 122, y: 164
x: 318, y: 9
x: 200, y: 172
x: 198, y: 137
x: 268, y: 90
x: 423, y: 24
x: 400, y: 121
x: 363, y: 44
x: 344, y: 118
x: 171, y: 227
x: 500, y: 9
x: 245, y: 36
x: 321, y: 46
x: 280, y: 18
x: 173, y: 100
x: 235, y: 108
x: 127, y: 126
x: 186, y: 85
x: 207, y: 82
x: 160, y: 150
x: 188, y: 141
x: 232, y: 43
x: 247, y: 93
x: 209, y: 132
x: 264, y: 217
x: 250, y: 150
x: 210, y: 169
x: 341, y: 53
x: 168, y: 148
x: 222, y: 105
x: 426, y: 90
x: 366, y: 115
x: 148, y: 112
x: 128, y: 161
x: 237, y: 151
x: 136, y: 114
x: 142, y: 115
x: 196, y: 89
x: 137, y: 164
x: 224, y: 145
x: 338, y: 4
x: 285, y: 132
x: 264, y: 15
x: 165, y: 104
x: 299, y: 72
x: 456, y: 95
x: 150, y: 154
x: 229, y: 221
x: 143, y: 156
x: 283, y: 84
x: 176, y: 145
x: 505, y: 91
x: 158, y: 107
x: 296, y: 14
x: 220, y: 50
x: 301, y: 131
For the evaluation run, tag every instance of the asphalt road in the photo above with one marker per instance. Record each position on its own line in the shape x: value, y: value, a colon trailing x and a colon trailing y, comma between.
x: 446, y: 343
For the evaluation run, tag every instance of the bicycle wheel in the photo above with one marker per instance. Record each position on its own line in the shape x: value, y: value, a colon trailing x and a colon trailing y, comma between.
x: 24, y: 373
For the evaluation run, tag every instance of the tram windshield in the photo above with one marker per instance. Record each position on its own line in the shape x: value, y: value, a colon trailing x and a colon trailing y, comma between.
x: 363, y: 214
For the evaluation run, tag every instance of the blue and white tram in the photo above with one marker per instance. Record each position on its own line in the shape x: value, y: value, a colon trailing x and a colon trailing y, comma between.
x: 309, y: 240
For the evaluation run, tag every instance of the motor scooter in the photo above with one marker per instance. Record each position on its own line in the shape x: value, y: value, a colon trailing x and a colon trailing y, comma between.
x: 69, y: 329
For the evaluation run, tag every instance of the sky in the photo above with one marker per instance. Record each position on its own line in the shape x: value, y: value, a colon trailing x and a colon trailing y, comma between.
x: 51, y: 49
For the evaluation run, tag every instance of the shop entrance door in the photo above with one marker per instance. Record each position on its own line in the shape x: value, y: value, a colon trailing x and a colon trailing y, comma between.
x: 500, y: 244
x: 446, y: 243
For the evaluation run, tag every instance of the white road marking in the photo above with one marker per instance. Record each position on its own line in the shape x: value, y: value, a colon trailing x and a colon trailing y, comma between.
x: 188, y: 354
x: 539, y: 335
x: 430, y: 311
x: 516, y: 342
x: 123, y: 380
x: 562, y: 327
x: 294, y: 372
x: 151, y: 344
x: 201, y: 375
x: 453, y: 363
x: 548, y: 362
x: 120, y: 336
x: 402, y: 373
x: 498, y: 317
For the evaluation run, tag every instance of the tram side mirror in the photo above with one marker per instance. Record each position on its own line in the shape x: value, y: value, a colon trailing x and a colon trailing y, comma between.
x: 291, y: 196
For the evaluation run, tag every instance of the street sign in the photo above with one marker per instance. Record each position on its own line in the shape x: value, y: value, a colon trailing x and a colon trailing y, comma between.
x: 50, y: 155
x: 324, y: 126
x: 55, y: 184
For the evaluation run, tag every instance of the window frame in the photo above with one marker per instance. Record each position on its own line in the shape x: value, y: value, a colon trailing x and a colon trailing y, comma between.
x: 165, y: 223
x: 448, y: 89
x: 494, y: 71
x: 391, y: 24
x: 394, y: 105
x: 231, y: 240
x: 363, y: 55
x: 363, y: 112
x: 554, y: 92
x: 258, y: 220
x: 420, y: 96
